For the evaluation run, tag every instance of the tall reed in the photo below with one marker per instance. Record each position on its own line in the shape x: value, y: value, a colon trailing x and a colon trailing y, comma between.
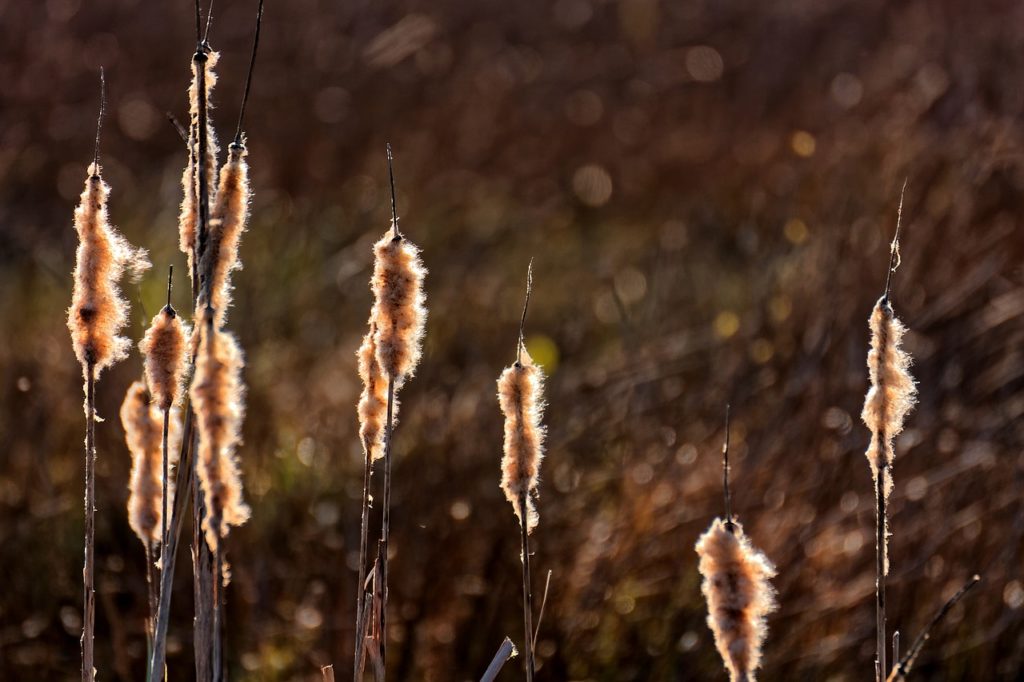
x: 736, y: 587
x: 889, y: 399
x: 390, y: 351
x: 521, y: 398
x: 96, y: 317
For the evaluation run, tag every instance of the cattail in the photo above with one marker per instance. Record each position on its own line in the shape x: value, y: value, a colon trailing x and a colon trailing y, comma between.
x: 143, y: 428
x: 164, y: 348
x: 892, y: 393
x: 218, y: 401
x: 373, y: 402
x: 520, y: 395
x: 738, y: 594
x: 227, y: 222
x: 98, y: 313
x: 400, y: 313
x: 188, y: 217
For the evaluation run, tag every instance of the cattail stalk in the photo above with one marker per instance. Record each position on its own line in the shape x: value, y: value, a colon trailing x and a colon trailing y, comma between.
x: 736, y: 588
x: 520, y: 396
x: 95, y: 318
x: 397, y: 321
x: 889, y: 399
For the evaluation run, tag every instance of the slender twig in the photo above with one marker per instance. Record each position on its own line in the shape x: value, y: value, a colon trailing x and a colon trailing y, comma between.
x: 180, y: 129
x: 543, y: 603
x: 394, y: 203
x: 896, y: 646
x: 163, y: 448
x: 528, y: 662
x: 522, y: 320
x: 880, y: 524
x: 99, y: 119
x: 725, y: 474
x: 506, y: 651
x: 218, y: 665
x: 903, y: 668
x: 248, y: 78
x: 328, y: 672
x: 209, y: 21
x: 151, y: 590
x: 894, y: 247
x: 89, y: 596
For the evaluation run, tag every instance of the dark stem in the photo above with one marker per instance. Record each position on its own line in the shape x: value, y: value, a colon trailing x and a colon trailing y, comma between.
x: 151, y: 581
x: 182, y: 133
x: 183, y: 484
x: 218, y: 665
x: 248, y: 78
x: 540, y: 614
x: 89, y: 594
x: 725, y: 474
x: 907, y: 663
x: 199, y: 25
x: 209, y: 21
x: 163, y: 484
x: 361, y: 587
x: 880, y: 569
x: 204, y: 562
x: 170, y: 281
x: 894, y: 247
x: 522, y: 320
x: 99, y: 121
x: 527, y: 591
x: 201, y: 158
x: 385, y: 532
x: 394, y: 202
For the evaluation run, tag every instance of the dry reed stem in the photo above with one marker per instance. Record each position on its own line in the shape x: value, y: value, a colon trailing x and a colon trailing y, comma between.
x: 889, y: 399
x: 88, y: 571
x: 506, y: 651
x: 204, y: 78
x: 738, y: 595
x: 902, y: 669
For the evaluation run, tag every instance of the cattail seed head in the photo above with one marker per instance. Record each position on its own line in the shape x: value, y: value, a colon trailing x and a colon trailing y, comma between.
x: 217, y: 397
x: 143, y: 429
x: 892, y: 393
x: 520, y: 395
x: 227, y: 222
x: 400, y: 312
x: 373, y: 402
x: 188, y: 216
x: 164, y: 348
x: 98, y: 313
x: 738, y: 595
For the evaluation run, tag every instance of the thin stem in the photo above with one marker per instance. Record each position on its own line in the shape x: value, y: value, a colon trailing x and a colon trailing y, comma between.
x: 248, y: 78
x: 894, y: 247
x: 522, y: 320
x: 527, y: 591
x: 361, y: 587
x: 385, y: 532
x: 217, y: 615
x: 180, y: 129
x: 394, y: 203
x: 209, y: 21
x: 506, y: 651
x: 880, y: 569
x: 540, y: 615
x: 168, y: 558
x: 151, y: 589
x: 902, y: 669
x: 99, y: 120
x: 89, y: 594
x: 725, y: 473
x: 201, y: 158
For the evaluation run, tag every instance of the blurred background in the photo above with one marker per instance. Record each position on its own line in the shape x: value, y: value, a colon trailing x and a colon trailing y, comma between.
x: 708, y: 189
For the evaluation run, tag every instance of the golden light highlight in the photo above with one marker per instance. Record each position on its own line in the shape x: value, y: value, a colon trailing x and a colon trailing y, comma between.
x: 188, y: 215
x: 738, y: 595
x: 227, y: 223
x: 400, y: 313
x: 373, y: 402
x: 217, y: 397
x: 142, y: 420
x: 164, y: 349
x: 98, y: 313
x: 520, y: 395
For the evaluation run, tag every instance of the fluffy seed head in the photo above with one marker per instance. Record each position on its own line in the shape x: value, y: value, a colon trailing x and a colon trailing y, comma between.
x: 400, y: 312
x: 892, y: 393
x: 738, y: 594
x: 188, y: 217
x: 227, y: 222
x: 143, y: 430
x: 164, y: 348
x: 217, y: 396
x: 520, y: 395
x: 98, y: 313
x: 373, y: 403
